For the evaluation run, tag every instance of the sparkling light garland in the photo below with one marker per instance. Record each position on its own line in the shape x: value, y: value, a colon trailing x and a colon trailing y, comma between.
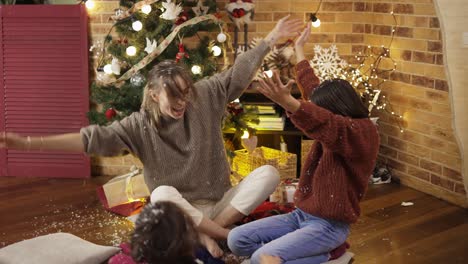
x: 368, y: 76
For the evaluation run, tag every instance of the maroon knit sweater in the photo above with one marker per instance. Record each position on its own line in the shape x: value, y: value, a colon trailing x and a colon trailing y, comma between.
x: 337, y: 169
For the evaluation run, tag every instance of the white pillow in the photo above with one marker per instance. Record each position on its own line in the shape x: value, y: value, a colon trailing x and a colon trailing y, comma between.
x: 58, y: 248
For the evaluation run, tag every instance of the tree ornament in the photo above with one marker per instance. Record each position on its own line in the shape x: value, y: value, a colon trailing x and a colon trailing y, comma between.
x: 118, y: 14
x: 200, y: 9
x: 182, y: 18
x: 115, y: 66
x: 150, y: 45
x: 137, y: 80
x: 181, y: 54
x: 171, y: 10
x: 110, y: 113
x: 221, y: 37
x: 240, y: 12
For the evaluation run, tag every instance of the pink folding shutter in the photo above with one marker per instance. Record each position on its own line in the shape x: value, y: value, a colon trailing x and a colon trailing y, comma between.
x: 44, y: 89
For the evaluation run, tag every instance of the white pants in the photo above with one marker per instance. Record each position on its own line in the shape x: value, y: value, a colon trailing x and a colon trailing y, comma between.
x: 244, y: 197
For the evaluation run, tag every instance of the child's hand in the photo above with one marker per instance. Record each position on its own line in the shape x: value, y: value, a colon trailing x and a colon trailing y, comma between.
x: 278, y: 92
x: 304, y: 37
x: 265, y: 259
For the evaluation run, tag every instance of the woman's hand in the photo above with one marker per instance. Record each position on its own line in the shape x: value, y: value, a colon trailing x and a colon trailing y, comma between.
x: 284, y: 28
x: 12, y: 141
x: 301, y: 41
x: 279, y: 93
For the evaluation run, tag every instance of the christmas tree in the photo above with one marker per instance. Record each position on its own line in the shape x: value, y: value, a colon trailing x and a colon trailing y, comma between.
x: 148, y: 32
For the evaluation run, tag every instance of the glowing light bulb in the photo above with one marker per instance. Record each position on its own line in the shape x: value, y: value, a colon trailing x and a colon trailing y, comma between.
x: 146, y: 9
x: 269, y: 73
x: 316, y: 23
x: 216, y: 51
x: 108, y: 69
x: 131, y: 51
x: 89, y: 4
x: 246, y: 134
x: 137, y: 25
x: 196, y: 69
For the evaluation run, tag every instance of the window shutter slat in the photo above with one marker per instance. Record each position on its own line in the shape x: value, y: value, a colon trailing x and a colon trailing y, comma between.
x: 44, y: 89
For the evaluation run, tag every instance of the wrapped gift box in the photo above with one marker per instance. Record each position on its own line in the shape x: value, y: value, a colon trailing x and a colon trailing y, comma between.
x: 125, y: 189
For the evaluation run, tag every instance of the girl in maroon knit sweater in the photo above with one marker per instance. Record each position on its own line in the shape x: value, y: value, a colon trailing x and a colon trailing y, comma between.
x: 334, y: 177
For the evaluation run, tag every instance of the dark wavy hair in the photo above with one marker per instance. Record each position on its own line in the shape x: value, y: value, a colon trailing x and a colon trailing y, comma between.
x: 164, y: 234
x: 339, y: 97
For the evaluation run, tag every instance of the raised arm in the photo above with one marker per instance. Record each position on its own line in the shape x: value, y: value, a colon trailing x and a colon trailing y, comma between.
x: 306, y: 79
x: 66, y: 142
x: 343, y: 135
x: 111, y: 140
x: 231, y: 83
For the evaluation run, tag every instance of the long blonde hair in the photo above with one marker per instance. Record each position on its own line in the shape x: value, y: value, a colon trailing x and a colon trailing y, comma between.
x: 163, y: 76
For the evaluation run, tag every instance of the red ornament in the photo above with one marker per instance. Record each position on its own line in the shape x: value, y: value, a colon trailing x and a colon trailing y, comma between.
x: 182, y: 18
x: 218, y: 15
x: 238, y: 12
x: 110, y: 113
x: 181, y: 54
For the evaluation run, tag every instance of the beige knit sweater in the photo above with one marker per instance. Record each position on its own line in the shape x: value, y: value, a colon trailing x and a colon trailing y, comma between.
x: 188, y: 153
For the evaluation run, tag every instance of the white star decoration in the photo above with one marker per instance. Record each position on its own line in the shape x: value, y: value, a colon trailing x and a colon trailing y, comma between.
x: 327, y: 63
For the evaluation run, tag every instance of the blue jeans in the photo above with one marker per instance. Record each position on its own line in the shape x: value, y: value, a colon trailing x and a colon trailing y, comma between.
x: 297, y: 238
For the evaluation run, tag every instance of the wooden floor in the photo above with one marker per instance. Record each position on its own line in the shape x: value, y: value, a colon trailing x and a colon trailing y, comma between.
x: 430, y: 231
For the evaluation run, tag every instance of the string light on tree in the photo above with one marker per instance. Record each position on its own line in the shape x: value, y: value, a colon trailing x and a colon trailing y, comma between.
x: 216, y: 51
x: 196, y: 69
x: 136, y: 24
x: 146, y: 9
x: 131, y: 51
x: 108, y: 69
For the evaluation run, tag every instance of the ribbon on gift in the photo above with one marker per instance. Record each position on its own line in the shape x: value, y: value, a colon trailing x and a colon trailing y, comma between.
x: 161, y: 47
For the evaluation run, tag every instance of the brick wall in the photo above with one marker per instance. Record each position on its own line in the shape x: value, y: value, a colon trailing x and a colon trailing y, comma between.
x: 426, y: 156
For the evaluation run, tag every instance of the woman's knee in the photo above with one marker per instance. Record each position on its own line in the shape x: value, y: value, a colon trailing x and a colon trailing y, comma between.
x: 269, y: 174
x: 164, y: 193
x: 238, y: 242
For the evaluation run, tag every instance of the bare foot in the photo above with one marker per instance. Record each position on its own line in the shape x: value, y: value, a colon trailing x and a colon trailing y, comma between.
x: 211, y: 246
